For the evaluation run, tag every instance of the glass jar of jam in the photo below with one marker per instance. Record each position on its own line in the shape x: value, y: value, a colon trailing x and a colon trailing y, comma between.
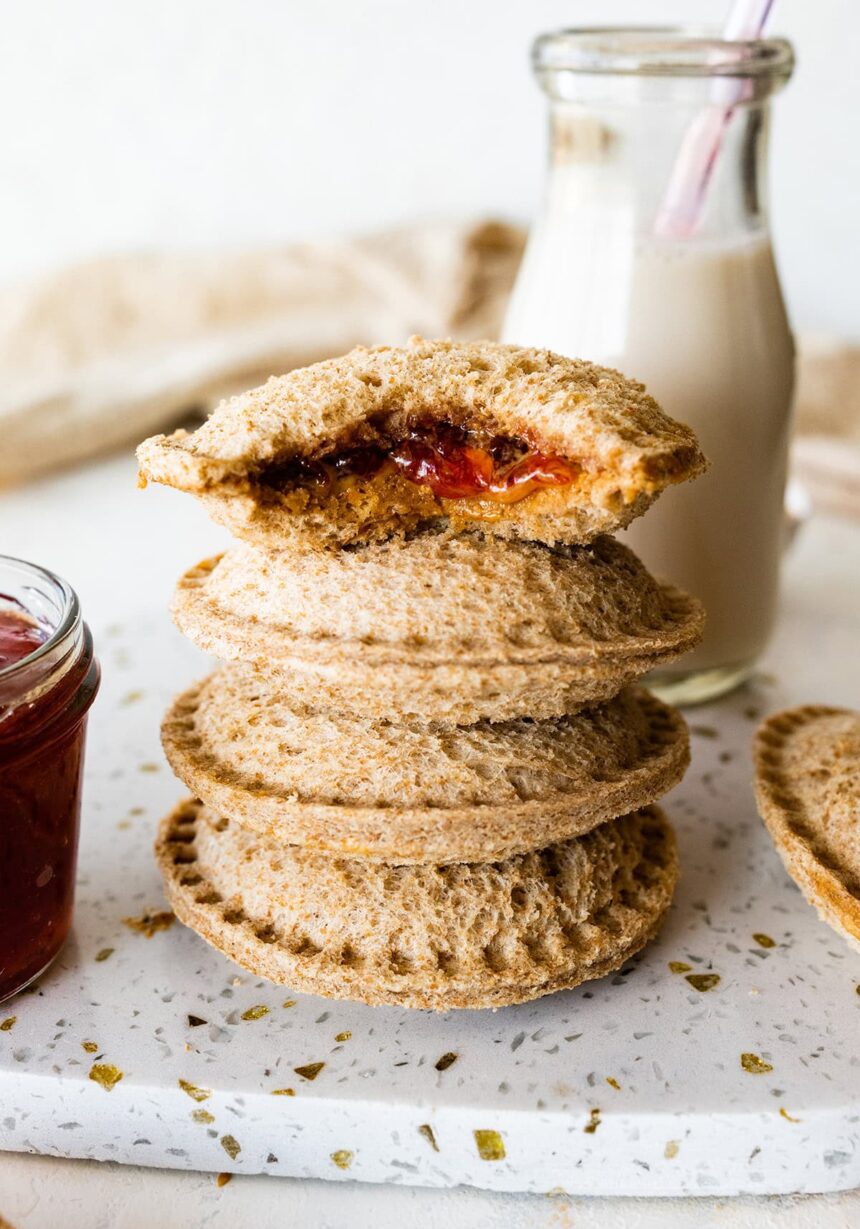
x: 48, y: 679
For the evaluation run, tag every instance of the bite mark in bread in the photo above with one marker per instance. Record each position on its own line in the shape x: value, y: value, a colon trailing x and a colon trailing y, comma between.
x: 602, y: 448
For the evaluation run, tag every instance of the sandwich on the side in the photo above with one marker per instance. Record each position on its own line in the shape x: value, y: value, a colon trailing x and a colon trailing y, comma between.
x: 808, y: 789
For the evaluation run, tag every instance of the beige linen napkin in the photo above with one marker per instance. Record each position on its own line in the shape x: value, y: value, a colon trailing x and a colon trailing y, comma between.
x: 102, y: 354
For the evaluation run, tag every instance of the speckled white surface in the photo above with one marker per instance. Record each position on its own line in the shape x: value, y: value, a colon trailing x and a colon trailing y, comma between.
x: 533, y: 1073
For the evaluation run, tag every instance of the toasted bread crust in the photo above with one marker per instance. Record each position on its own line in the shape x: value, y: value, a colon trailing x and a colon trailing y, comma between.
x: 628, y: 449
x: 461, y: 936
x: 808, y: 791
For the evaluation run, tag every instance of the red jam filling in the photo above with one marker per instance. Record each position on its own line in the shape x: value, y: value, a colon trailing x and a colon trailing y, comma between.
x: 20, y: 634
x: 41, y: 756
x: 453, y: 462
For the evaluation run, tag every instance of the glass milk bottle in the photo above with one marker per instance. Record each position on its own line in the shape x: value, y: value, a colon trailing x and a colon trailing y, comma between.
x: 627, y: 267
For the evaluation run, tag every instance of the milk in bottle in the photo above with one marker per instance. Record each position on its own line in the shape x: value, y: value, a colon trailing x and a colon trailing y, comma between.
x: 699, y: 319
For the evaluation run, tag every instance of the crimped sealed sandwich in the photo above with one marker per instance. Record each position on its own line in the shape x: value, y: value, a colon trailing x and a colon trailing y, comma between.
x: 522, y: 442
x: 468, y: 935
x: 808, y: 790
x: 440, y: 627
x: 404, y: 792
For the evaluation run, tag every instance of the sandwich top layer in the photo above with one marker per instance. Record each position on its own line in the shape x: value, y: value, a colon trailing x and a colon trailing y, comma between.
x: 383, y: 440
x: 808, y: 790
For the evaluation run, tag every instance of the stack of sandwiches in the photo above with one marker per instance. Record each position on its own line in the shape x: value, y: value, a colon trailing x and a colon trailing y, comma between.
x: 424, y: 775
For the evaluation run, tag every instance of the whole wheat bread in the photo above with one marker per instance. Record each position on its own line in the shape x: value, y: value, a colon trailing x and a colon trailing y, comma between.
x: 808, y: 789
x: 481, y: 935
x: 440, y: 627
x: 625, y: 448
x: 417, y: 793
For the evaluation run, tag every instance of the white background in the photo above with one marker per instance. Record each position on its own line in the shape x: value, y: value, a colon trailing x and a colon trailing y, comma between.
x: 175, y: 122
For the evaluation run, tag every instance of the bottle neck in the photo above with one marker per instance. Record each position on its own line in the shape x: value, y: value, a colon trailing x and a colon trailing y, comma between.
x: 621, y: 164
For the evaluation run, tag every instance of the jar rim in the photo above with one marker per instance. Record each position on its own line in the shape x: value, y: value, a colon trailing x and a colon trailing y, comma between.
x: 67, y: 622
x: 660, y: 51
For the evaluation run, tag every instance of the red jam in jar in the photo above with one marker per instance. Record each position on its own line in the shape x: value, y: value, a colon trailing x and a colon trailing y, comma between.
x: 48, y: 679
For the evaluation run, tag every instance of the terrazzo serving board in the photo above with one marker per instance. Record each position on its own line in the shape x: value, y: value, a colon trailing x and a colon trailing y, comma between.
x: 724, y: 1060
